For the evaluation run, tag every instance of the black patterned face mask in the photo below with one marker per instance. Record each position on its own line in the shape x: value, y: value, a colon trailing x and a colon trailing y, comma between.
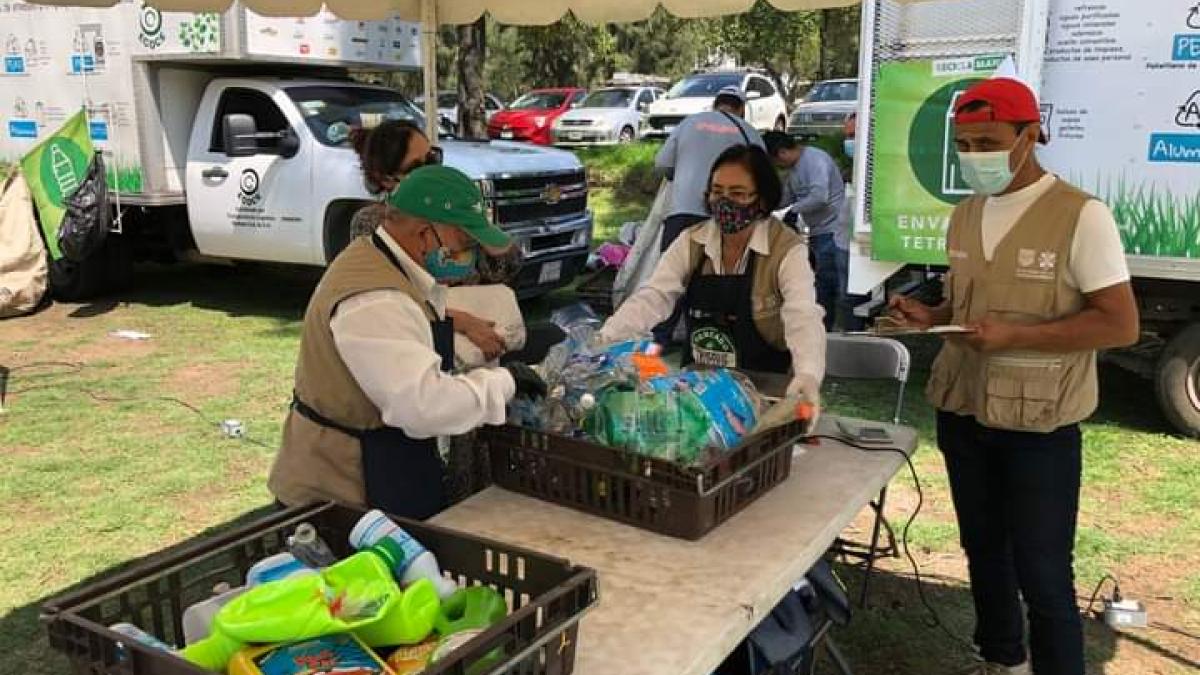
x: 733, y: 217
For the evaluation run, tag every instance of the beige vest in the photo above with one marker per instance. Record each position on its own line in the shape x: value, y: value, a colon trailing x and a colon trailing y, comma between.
x: 766, y: 298
x: 1024, y: 283
x: 318, y: 463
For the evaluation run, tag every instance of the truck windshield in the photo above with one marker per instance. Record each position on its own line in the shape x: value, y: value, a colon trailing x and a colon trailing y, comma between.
x: 608, y: 98
x: 825, y: 92
x: 704, y: 86
x: 540, y: 100
x: 331, y: 111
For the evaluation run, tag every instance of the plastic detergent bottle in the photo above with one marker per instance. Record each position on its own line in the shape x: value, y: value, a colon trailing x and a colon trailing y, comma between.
x: 309, y: 548
x: 198, y: 619
x: 411, y: 561
x: 277, y: 567
x: 472, y: 608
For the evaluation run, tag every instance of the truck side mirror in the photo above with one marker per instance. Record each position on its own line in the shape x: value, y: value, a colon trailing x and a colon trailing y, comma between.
x: 240, y: 135
x: 289, y: 144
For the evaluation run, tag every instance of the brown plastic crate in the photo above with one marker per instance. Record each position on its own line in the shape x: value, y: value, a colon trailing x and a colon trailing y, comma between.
x: 653, y: 494
x: 546, y: 596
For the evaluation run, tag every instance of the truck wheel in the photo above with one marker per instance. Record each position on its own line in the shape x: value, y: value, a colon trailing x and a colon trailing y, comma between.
x: 1178, y: 381
x: 627, y: 135
x: 118, y: 263
x: 73, y: 282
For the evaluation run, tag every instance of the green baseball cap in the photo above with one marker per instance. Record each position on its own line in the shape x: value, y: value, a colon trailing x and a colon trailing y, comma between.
x: 444, y: 195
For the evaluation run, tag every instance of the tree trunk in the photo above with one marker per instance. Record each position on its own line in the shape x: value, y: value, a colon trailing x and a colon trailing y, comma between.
x: 822, y: 46
x: 472, y: 47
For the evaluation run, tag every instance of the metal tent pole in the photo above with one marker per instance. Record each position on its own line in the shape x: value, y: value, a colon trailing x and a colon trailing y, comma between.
x: 429, y: 35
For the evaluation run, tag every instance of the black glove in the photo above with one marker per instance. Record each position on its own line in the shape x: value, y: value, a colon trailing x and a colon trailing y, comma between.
x: 791, y: 218
x: 529, y: 383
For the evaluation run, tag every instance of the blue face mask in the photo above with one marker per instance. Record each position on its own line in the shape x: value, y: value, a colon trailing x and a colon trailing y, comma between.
x: 449, y: 267
x: 848, y: 147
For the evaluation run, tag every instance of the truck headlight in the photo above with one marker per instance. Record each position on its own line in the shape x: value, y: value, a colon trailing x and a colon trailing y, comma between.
x: 488, y: 190
x: 539, y: 121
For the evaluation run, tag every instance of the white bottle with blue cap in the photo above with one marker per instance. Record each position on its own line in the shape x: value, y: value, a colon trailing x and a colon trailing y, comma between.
x: 416, y: 562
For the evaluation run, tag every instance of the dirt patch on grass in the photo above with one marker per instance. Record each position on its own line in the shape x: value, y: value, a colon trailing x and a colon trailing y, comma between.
x: 20, y: 451
x: 204, y: 380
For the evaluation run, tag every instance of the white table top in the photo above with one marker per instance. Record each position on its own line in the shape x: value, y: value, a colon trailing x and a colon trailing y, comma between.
x: 674, y: 607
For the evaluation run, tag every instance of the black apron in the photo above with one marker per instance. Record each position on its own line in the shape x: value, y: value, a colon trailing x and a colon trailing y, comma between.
x: 718, y: 310
x: 402, y: 475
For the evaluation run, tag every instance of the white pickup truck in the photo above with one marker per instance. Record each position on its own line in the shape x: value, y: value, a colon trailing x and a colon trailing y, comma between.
x: 226, y: 137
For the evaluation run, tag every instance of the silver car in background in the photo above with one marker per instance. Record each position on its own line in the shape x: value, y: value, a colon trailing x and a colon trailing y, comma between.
x: 447, y: 105
x: 606, y: 116
x: 825, y: 109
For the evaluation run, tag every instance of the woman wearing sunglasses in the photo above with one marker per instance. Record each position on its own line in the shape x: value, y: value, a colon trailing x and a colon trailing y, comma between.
x: 388, y: 153
x: 743, y: 281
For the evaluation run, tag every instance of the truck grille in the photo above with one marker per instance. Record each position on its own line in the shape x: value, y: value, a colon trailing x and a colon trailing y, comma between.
x: 576, y: 123
x: 525, y: 198
x: 661, y: 123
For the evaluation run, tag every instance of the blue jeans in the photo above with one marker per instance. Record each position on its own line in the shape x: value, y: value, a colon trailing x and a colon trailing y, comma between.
x: 1016, y: 495
x: 831, y: 265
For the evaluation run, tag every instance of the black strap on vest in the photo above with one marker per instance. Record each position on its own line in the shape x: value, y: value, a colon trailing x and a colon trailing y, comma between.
x: 391, y: 256
x: 308, y: 412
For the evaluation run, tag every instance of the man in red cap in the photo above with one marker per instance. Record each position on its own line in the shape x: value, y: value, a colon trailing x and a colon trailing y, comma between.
x: 1038, y: 274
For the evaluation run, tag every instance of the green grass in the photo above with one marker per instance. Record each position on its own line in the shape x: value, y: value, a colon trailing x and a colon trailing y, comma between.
x: 88, y: 485
x: 1154, y: 221
x: 611, y: 210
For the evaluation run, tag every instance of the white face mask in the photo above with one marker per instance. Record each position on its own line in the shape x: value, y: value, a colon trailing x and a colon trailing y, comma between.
x: 989, y: 173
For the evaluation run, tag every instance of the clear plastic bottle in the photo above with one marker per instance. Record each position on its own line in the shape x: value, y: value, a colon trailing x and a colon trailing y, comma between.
x: 137, y: 635
x: 309, y: 548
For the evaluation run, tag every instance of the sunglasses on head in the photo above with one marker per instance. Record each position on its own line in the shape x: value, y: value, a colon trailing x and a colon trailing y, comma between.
x: 431, y: 158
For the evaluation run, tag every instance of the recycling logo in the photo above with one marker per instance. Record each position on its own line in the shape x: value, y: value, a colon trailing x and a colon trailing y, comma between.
x: 1189, y: 113
x: 63, y: 167
x: 931, y: 150
x: 248, y: 185
x: 714, y: 348
x: 150, y: 24
x: 1193, y: 20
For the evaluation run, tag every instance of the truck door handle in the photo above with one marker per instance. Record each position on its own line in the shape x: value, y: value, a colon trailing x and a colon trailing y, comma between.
x: 215, y: 172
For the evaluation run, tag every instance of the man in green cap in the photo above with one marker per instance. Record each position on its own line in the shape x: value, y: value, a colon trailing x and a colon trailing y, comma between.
x: 372, y: 389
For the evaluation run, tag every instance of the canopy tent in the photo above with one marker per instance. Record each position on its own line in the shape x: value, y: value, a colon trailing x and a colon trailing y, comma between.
x: 432, y: 13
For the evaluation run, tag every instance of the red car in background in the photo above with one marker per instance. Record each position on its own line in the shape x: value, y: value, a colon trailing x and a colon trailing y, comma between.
x: 531, y: 117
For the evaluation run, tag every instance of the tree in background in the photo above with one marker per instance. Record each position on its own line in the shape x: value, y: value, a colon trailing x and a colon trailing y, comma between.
x: 794, y: 47
x: 472, y: 52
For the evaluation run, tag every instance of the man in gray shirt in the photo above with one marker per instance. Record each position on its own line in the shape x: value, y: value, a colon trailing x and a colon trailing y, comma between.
x: 815, y: 193
x: 687, y: 159
x: 688, y: 155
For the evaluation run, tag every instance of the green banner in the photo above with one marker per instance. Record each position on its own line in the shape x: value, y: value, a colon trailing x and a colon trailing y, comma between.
x: 54, y: 169
x: 916, y: 179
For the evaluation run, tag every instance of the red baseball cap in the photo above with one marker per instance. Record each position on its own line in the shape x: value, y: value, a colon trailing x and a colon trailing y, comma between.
x: 1007, y: 100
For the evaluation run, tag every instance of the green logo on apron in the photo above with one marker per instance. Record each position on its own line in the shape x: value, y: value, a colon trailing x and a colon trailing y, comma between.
x: 714, y: 348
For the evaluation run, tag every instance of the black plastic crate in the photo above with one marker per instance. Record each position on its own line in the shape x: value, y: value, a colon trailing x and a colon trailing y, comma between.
x: 653, y: 494
x: 596, y: 289
x: 546, y: 596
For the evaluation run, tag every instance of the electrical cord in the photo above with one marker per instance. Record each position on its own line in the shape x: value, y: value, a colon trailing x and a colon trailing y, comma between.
x: 100, y: 398
x: 1096, y: 593
x: 934, y: 620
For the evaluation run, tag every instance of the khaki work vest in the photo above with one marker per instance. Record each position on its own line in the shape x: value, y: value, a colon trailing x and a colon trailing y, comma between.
x: 318, y: 463
x: 1024, y: 283
x: 766, y: 297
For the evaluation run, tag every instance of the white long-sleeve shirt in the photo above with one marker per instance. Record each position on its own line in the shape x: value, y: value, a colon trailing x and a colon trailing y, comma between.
x: 803, y: 330
x: 386, y: 342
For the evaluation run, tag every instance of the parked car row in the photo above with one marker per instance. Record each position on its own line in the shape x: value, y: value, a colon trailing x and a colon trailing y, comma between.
x: 626, y: 112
